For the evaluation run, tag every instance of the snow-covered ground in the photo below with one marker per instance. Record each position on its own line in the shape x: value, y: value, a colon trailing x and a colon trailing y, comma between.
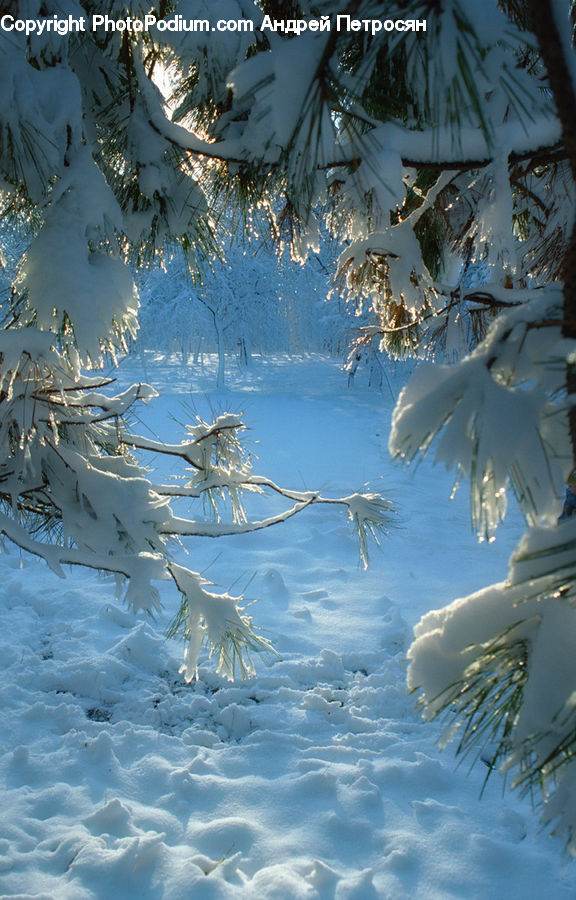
x: 316, y: 779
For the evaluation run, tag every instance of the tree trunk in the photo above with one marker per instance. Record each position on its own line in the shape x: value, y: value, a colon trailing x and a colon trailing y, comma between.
x: 220, y: 379
x: 545, y: 28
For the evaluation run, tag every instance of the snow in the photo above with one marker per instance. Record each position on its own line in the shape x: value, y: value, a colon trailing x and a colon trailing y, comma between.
x: 494, y: 419
x: 64, y: 280
x: 314, y: 779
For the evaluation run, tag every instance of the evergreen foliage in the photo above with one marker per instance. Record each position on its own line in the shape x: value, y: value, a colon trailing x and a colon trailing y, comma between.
x: 432, y: 157
x: 90, y: 188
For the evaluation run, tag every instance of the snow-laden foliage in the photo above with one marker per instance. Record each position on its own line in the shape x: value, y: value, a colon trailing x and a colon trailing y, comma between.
x: 503, y: 661
x: 74, y: 493
x: 448, y: 172
x: 500, y: 414
x: 444, y: 161
x: 89, y: 188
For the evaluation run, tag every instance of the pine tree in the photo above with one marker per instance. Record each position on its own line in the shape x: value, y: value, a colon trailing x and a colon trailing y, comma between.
x: 89, y: 188
x: 444, y: 163
x: 443, y: 159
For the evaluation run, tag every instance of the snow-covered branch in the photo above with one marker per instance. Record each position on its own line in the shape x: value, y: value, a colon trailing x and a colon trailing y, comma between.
x: 444, y: 163
x: 72, y: 493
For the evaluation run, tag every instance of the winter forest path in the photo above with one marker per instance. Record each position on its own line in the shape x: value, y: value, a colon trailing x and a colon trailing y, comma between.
x: 316, y: 779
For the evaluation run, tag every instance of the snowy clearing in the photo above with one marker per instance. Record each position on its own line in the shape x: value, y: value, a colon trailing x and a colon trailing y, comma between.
x: 316, y: 778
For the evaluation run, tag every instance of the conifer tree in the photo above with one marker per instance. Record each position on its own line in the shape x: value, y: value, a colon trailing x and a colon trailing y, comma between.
x: 89, y: 187
x: 443, y: 158
x: 443, y: 161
